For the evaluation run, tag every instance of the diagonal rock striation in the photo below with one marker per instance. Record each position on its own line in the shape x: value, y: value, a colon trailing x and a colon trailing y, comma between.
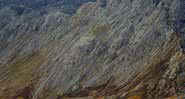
x: 108, y: 49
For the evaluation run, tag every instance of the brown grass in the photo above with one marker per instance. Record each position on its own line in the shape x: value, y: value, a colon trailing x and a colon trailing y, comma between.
x: 23, y: 72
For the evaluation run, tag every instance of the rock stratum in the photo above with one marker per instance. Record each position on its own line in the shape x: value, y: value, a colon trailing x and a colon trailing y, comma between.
x: 104, y: 49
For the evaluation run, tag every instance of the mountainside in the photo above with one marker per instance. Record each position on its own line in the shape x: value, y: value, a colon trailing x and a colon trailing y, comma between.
x: 103, y: 49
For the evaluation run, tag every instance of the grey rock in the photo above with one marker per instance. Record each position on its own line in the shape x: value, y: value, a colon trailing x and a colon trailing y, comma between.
x: 107, y: 48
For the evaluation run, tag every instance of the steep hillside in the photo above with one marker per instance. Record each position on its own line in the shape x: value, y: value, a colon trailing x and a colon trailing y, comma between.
x: 108, y: 49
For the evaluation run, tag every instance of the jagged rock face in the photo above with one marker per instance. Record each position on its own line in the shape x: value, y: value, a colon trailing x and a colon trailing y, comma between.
x: 108, y: 48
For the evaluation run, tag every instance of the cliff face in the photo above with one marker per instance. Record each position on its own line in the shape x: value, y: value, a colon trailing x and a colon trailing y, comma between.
x: 107, y: 49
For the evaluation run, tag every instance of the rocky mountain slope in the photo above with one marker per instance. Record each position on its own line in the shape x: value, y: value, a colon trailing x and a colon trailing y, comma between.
x: 108, y: 49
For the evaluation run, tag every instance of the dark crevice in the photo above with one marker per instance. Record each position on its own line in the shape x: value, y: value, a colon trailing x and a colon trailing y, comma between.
x: 25, y: 93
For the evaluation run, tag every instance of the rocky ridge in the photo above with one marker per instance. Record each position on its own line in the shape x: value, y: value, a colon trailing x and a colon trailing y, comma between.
x: 106, y: 49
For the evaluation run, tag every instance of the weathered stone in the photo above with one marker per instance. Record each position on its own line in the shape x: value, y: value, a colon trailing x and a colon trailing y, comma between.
x: 107, y: 49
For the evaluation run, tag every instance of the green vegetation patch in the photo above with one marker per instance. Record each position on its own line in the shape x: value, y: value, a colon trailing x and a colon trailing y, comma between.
x: 99, y: 29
